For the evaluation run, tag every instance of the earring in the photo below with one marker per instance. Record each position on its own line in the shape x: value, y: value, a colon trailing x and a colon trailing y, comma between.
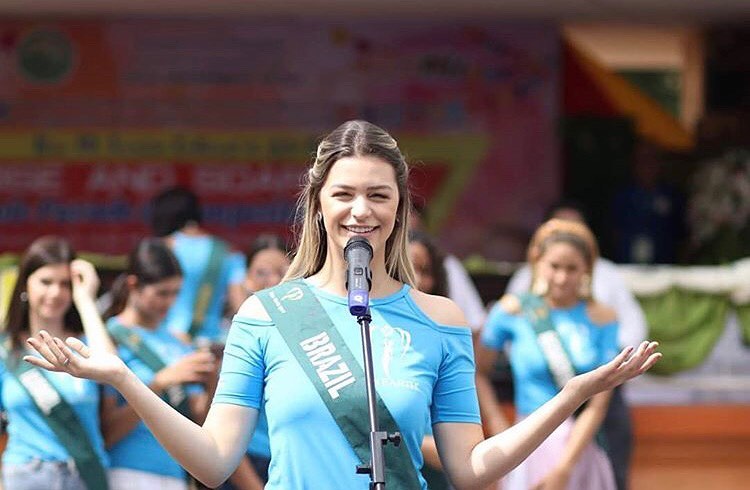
x: 584, y: 290
x: 24, y: 296
x: 540, y: 286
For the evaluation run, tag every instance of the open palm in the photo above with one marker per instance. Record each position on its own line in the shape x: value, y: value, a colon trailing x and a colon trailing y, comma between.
x: 75, y: 358
x: 629, y: 363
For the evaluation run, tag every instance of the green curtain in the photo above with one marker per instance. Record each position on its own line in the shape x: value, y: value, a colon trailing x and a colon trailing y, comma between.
x: 687, y: 325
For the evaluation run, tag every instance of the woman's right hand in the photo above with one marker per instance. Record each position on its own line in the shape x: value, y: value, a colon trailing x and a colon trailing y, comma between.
x: 195, y: 367
x: 75, y: 358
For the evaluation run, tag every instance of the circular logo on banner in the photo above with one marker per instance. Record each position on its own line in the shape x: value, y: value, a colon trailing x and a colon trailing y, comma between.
x: 45, y: 56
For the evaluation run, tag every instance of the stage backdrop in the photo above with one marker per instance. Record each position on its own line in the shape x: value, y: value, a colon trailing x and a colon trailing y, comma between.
x: 98, y: 116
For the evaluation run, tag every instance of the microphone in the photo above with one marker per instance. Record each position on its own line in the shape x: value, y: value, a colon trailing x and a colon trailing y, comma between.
x: 358, y: 254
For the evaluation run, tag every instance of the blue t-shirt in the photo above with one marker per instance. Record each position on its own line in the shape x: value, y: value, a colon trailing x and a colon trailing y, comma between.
x: 29, y: 436
x: 193, y: 253
x: 421, y: 369
x: 589, y: 346
x: 139, y: 449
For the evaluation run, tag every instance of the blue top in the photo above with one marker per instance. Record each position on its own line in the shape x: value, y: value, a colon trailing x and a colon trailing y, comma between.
x: 139, y: 449
x: 421, y: 369
x: 193, y: 253
x: 29, y: 436
x: 589, y: 346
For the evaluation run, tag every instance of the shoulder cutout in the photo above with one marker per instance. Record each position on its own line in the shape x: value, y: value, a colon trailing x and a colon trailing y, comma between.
x: 510, y: 304
x: 600, y: 314
x: 252, y: 308
x: 440, y: 310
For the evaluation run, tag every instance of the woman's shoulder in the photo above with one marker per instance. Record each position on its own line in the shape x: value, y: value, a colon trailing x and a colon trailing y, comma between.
x: 600, y: 314
x: 510, y: 304
x: 253, y: 309
x: 439, y: 309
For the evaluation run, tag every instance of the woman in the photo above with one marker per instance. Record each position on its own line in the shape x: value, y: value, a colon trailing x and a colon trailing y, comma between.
x: 267, y: 263
x: 53, y: 420
x: 555, y: 331
x: 357, y: 186
x: 141, y: 298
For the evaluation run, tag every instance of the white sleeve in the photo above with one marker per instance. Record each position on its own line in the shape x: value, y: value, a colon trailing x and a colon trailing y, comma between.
x: 461, y: 289
x: 611, y: 289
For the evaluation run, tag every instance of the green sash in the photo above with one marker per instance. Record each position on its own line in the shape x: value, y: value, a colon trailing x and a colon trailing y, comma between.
x: 207, y: 286
x: 174, y: 395
x: 555, y: 354
x: 557, y: 357
x: 60, y: 417
x: 337, y: 376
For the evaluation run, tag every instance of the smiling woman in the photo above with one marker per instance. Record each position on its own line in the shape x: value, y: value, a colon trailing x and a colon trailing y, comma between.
x: 54, y: 291
x: 555, y: 331
x: 292, y: 352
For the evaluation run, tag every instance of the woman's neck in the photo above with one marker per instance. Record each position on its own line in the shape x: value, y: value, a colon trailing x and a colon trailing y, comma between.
x: 562, y: 302
x: 54, y: 326
x: 131, y: 317
x: 332, y: 277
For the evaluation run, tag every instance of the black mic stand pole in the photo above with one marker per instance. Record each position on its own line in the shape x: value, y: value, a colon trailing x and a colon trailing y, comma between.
x: 378, y: 438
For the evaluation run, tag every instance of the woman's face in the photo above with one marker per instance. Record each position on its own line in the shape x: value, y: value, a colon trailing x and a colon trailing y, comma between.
x: 360, y: 198
x: 152, y: 301
x: 562, y: 266
x: 49, y: 291
x: 266, y: 269
x: 420, y: 259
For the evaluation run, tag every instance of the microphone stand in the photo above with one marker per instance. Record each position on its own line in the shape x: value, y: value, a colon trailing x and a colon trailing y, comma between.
x: 378, y: 438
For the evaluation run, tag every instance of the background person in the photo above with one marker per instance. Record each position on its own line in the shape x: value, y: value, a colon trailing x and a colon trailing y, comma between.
x: 555, y: 331
x: 53, y: 420
x: 141, y: 298
x: 212, y: 271
x: 609, y: 288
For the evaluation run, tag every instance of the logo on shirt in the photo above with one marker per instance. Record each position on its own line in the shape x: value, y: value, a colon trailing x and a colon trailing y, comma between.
x: 396, y: 347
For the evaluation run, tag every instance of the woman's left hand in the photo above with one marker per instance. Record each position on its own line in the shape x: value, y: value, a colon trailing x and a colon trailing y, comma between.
x: 628, y: 364
x: 84, y: 277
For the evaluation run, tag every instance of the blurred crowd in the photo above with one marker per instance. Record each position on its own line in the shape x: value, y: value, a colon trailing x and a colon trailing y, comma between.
x: 168, y: 313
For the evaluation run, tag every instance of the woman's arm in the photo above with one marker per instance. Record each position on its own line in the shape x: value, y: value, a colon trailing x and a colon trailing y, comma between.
x: 210, y: 453
x: 586, y: 425
x: 493, y: 419
x: 471, y: 461
x: 85, y: 285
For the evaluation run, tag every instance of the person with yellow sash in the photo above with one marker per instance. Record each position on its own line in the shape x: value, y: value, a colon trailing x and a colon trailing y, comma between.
x: 296, y: 349
x: 53, y: 420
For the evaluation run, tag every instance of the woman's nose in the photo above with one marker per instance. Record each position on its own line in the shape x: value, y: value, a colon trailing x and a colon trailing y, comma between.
x: 360, y: 207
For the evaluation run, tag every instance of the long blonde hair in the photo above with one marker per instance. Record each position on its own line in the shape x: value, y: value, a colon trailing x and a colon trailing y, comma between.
x: 351, y: 139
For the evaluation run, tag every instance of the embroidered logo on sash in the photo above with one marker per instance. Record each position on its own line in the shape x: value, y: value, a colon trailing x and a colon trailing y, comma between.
x: 332, y: 371
x: 294, y: 294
